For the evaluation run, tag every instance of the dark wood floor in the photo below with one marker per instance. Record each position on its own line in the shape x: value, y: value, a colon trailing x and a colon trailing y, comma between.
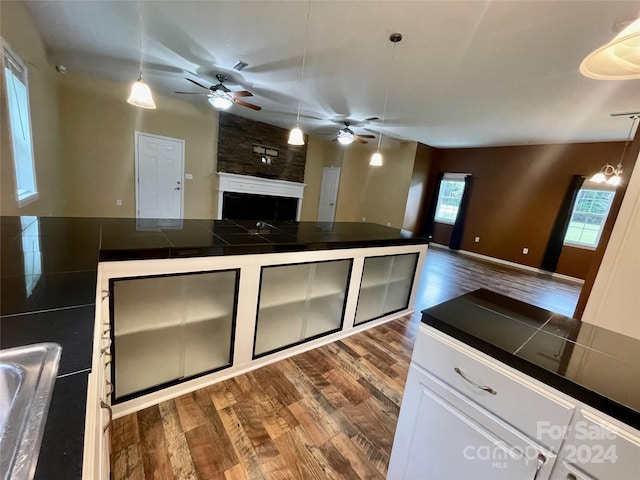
x: 325, y: 414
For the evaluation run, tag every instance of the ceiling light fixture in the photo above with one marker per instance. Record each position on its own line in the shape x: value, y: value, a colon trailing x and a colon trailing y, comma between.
x: 345, y: 138
x: 221, y: 100
x: 617, y: 60
x: 140, y: 95
x: 608, y: 173
x: 376, y: 158
x: 296, y: 137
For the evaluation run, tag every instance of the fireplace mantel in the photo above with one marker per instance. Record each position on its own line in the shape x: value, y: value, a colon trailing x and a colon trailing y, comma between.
x: 232, y: 182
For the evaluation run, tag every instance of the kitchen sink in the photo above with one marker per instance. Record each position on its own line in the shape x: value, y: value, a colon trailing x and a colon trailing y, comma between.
x: 27, y: 375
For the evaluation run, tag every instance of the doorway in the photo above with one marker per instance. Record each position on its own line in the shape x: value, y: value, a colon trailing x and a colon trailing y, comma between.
x: 328, y: 194
x: 159, y: 176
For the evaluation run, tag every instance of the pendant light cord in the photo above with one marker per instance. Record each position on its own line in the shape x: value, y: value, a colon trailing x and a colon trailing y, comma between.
x: 634, y: 118
x: 304, y: 60
x: 140, y: 24
x: 386, y: 96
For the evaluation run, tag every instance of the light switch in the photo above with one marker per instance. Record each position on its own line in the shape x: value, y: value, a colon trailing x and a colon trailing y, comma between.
x: 525, y: 251
x: 188, y: 176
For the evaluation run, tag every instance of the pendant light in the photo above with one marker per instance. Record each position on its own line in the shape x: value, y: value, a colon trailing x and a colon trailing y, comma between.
x: 140, y: 95
x: 296, y: 137
x: 617, y: 60
x: 376, y: 158
x: 608, y: 173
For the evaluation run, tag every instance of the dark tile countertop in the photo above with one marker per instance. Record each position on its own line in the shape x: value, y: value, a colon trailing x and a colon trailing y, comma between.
x: 48, y: 270
x: 595, y: 366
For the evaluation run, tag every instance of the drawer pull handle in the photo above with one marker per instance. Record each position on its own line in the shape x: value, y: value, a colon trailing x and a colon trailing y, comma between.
x: 107, y: 407
x: 571, y: 476
x: 541, y: 460
x: 481, y: 387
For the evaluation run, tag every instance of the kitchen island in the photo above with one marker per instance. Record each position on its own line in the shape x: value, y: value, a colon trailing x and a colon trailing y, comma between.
x: 54, y: 269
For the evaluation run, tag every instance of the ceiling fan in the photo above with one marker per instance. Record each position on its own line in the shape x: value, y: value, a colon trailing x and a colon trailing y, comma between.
x: 346, y: 136
x: 220, y: 96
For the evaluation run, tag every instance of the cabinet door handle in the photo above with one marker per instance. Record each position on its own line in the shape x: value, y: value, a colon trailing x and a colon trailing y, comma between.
x: 481, y: 387
x: 107, y: 407
x: 571, y: 476
x: 541, y: 460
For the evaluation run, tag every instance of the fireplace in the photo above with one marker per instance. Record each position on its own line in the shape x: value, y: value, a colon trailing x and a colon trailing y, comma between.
x: 243, y: 197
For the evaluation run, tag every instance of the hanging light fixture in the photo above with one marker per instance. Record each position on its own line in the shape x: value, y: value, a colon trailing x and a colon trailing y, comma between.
x: 345, y: 138
x: 296, y: 137
x: 617, y: 60
x: 376, y: 158
x: 608, y: 173
x: 140, y: 95
x: 221, y: 100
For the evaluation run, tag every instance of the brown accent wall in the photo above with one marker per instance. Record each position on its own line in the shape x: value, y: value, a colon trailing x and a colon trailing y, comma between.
x: 517, y: 192
x: 237, y: 136
x: 417, y: 198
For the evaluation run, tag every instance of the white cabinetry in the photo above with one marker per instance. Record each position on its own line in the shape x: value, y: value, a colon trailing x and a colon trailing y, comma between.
x: 465, y: 416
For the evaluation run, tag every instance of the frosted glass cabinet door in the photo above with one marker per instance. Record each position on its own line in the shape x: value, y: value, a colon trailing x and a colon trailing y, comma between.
x: 385, y: 286
x: 171, y: 327
x: 209, y: 300
x: 147, y: 317
x: 298, y: 302
x: 327, y: 300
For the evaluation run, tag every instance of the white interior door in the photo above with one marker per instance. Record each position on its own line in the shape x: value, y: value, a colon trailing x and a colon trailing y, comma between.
x: 159, y: 176
x: 328, y: 194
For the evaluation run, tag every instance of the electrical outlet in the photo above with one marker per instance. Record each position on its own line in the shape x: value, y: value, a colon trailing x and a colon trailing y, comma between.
x: 477, y: 240
x: 525, y: 251
x: 118, y: 203
x: 388, y: 224
x: 188, y: 176
x: 364, y: 219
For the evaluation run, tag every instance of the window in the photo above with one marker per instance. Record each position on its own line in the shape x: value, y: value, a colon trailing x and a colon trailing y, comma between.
x: 449, y: 197
x: 589, y: 214
x: 17, y: 88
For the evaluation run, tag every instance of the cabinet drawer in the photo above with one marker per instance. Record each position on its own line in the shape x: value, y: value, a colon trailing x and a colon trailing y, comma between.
x: 526, y: 406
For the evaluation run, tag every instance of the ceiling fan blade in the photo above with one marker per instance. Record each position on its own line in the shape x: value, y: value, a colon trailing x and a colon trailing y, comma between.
x: 196, y: 83
x: 366, y: 136
x: 359, y: 140
x: 192, y: 93
x: 245, y: 104
x: 242, y: 93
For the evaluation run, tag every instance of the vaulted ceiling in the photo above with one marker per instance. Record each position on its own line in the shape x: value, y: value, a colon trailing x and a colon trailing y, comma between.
x: 466, y: 74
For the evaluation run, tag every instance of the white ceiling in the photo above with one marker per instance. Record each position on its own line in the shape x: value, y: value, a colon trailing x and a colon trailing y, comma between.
x: 466, y: 74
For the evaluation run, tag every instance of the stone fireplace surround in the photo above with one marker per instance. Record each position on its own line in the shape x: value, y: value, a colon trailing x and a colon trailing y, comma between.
x: 231, y: 182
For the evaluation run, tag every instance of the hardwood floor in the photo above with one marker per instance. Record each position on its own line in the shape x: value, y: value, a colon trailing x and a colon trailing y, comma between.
x: 325, y: 414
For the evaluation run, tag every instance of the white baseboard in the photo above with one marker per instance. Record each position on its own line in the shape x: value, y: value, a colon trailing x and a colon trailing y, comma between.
x: 511, y: 264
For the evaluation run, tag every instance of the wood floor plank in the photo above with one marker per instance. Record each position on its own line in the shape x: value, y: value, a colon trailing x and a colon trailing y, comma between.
x: 224, y: 455
x: 177, y: 446
x: 124, y: 432
x: 221, y: 395
x: 357, y: 460
x: 153, y: 446
x: 189, y: 413
x: 297, y: 456
x: 204, y: 454
x: 126, y: 464
x: 236, y: 473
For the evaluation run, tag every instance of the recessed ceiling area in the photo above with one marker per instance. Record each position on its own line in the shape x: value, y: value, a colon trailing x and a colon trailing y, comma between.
x: 466, y: 74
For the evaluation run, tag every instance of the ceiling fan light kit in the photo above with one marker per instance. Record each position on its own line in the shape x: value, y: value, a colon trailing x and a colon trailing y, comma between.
x: 221, y: 101
x: 617, y: 60
x: 345, y: 138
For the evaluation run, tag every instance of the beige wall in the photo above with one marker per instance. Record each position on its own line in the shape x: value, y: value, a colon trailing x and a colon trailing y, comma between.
x: 20, y: 33
x: 320, y: 154
x: 98, y: 147
x: 379, y: 194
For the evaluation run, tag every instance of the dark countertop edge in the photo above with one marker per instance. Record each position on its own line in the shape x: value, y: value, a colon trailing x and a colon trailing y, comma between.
x: 593, y: 399
x: 114, y: 255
